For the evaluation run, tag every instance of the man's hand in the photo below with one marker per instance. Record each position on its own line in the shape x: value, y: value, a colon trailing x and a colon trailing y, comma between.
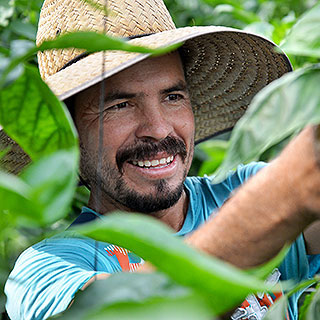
x: 271, y: 209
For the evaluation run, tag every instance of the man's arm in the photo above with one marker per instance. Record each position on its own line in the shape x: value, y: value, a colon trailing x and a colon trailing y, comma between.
x: 268, y: 211
x: 312, y: 238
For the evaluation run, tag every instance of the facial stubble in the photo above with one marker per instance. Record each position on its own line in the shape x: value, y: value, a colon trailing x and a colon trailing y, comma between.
x: 114, y: 186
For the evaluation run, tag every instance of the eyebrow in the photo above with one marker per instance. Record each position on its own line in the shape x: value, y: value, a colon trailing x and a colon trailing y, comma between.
x: 118, y: 96
x: 112, y: 96
x: 180, y: 86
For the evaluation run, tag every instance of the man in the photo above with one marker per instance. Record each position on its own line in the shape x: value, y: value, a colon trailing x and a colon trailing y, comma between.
x: 152, y: 111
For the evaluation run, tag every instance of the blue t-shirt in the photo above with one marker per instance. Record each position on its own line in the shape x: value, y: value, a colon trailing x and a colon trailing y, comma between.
x: 47, y: 275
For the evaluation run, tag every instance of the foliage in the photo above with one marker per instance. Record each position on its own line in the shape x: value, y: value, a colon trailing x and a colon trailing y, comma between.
x: 34, y: 203
x: 297, y: 92
x: 146, y: 296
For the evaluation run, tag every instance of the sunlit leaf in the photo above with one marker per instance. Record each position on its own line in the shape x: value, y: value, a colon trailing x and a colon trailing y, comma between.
x: 215, y: 151
x: 283, y: 107
x: 24, y: 29
x: 93, y: 41
x: 304, y: 37
x: 262, y: 28
x: 224, y: 285
x: 34, y: 117
x: 6, y: 12
x: 43, y: 193
x: 313, y: 309
x: 89, y: 41
x: 15, y: 198
x: 20, y: 47
x: 278, y: 310
x: 52, y: 190
x: 138, y: 296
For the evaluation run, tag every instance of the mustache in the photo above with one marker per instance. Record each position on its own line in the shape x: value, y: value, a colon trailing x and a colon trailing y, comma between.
x: 147, y: 148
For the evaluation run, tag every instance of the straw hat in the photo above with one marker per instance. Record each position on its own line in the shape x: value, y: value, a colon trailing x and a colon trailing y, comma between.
x: 224, y: 67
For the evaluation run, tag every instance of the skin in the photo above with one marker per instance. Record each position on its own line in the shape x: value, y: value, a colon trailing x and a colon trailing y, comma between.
x: 151, y: 107
x: 148, y: 101
x: 272, y: 209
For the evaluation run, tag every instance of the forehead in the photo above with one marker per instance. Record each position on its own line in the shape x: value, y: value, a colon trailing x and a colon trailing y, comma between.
x: 154, y: 70
x: 169, y: 66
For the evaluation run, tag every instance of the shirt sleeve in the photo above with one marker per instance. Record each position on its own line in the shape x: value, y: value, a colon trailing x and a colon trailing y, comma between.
x: 47, y: 276
x: 243, y: 173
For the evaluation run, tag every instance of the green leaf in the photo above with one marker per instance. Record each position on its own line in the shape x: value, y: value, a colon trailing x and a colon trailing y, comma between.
x: 277, y: 111
x: 90, y: 41
x: 262, y: 28
x: 138, y: 296
x: 6, y: 12
x: 34, y: 117
x: 304, y: 37
x: 215, y: 151
x: 15, y: 199
x: 306, y: 303
x: 11, y: 75
x: 313, y: 310
x: 53, y: 190
x: 278, y: 310
x: 20, y: 47
x: 24, y: 29
x: 224, y: 285
x: 43, y: 193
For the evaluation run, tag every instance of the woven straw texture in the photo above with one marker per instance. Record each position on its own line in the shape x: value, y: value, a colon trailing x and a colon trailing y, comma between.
x: 224, y: 67
x: 15, y: 159
x: 126, y: 18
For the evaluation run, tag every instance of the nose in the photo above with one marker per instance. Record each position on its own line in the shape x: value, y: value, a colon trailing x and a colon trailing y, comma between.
x: 154, y: 122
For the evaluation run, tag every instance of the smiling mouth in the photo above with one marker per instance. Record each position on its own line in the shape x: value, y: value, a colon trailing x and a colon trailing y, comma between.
x: 153, y: 163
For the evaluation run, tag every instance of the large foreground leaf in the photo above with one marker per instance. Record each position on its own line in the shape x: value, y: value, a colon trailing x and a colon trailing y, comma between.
x: 138, y: 296
x: 89, y: 41
x: 279, y: 110
x: 222, y: 283
x: 34, y: 117
x: 278, y: 310
x: 313, y: 308
x: 53, y: 180
x: 15, y: 198
x: 304, y: 37
x: 93, y: 41
x: 43, y: 193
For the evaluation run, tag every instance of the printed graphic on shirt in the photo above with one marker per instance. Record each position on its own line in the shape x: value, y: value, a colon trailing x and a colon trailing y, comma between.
x: 128, y: 260
x: 255, y: 307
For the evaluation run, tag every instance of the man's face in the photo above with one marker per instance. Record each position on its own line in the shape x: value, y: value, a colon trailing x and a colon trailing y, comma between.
x: 148, y: 135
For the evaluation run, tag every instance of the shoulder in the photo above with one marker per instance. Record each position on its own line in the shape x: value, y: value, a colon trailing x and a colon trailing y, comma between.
x: 50, y: 273
x: 206, y: 185
x: 206, y: 196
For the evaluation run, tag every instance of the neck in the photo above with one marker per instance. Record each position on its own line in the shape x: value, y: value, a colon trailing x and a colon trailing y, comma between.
x: 173, y: 217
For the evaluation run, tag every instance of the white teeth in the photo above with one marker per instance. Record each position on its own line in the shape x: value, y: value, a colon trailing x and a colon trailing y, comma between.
x: 147, y: 163
x: 154, y: 163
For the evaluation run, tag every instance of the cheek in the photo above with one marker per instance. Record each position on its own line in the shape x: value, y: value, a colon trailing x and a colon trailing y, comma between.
x: 116, y: 134
x: 185, y: 124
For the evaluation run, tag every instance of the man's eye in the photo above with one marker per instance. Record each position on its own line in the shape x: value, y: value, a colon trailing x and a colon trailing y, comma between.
x: 120, y: 105
x: 174, y: 97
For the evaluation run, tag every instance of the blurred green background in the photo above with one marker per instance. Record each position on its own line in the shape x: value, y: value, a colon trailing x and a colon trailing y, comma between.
x: 272, y: 19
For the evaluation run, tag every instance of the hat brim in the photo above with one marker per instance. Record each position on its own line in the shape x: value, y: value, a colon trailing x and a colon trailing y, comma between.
x: 224, y: 69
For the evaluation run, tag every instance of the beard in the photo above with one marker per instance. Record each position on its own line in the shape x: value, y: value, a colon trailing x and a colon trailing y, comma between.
x: 111, y: 182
